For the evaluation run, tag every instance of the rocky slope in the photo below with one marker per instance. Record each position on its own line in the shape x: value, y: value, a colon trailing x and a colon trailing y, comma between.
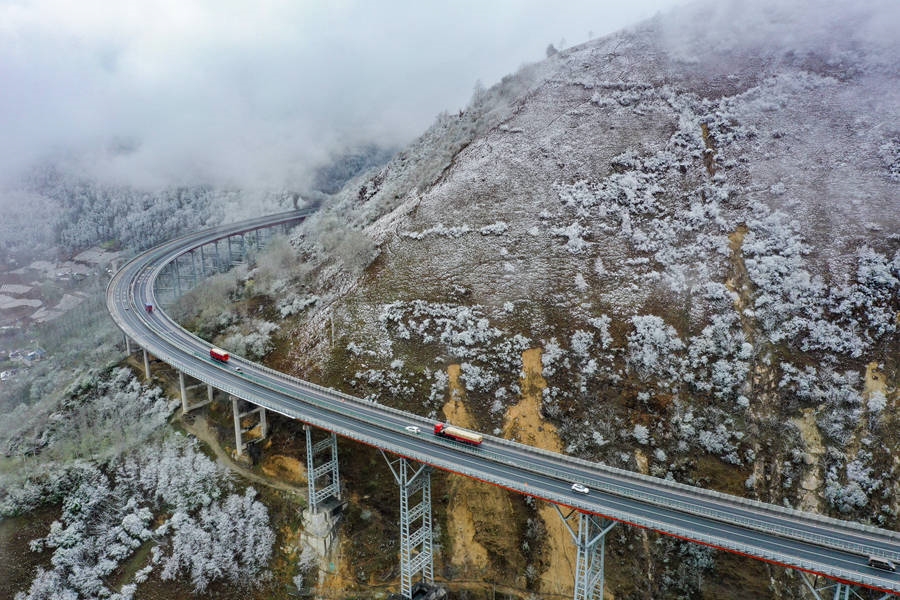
x: 696, y: 222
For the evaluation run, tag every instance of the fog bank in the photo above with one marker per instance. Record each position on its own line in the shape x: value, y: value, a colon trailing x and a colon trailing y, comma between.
x: 160, y: 92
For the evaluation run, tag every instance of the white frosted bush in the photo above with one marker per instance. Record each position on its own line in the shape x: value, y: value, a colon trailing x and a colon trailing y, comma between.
x: 641, y: 434
x: 653, y: 348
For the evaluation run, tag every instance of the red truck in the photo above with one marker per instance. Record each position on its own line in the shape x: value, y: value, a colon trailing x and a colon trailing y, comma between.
x: 219, y: 354
x: 148, y: 308
x: 460, y: 435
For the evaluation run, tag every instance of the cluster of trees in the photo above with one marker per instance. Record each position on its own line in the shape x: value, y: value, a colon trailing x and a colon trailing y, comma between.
x: 220, y: 309
x: 124, y: 483
x: 90, y: 213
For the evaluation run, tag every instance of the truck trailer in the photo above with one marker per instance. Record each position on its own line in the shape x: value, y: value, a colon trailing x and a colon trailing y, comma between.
x: 460, y: 435
x: 219, y: 354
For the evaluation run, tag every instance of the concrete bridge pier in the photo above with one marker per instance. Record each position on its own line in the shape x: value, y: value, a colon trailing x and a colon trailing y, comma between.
x: 590, y: 538
x: 176, y: 276
x: 240, y: 430
x: 416, y: 538
x: 323, y: 513
x: 186, y: 406
x: 146, y: 364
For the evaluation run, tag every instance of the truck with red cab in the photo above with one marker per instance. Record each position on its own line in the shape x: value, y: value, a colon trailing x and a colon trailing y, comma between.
x: 457, y: 434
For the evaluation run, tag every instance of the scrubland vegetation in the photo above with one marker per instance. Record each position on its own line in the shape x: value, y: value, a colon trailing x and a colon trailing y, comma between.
x: 133, y: 496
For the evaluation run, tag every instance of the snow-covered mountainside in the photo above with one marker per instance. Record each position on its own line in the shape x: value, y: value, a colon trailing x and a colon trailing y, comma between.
x: 697, y: 222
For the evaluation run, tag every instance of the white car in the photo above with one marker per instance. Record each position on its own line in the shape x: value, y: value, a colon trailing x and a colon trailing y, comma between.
x: 412, y: 429
x: 581, y: 489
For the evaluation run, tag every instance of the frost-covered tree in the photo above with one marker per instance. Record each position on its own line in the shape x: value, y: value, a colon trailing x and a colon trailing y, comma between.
x: 163, y: 492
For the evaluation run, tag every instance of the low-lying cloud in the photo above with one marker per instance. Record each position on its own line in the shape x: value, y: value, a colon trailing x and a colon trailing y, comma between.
x: 163, y: 92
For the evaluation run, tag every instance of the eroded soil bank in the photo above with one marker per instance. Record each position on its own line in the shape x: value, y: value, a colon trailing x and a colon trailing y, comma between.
x: 523, y: 423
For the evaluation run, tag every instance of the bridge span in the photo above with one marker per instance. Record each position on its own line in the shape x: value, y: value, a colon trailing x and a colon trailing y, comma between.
x: 821, y: 548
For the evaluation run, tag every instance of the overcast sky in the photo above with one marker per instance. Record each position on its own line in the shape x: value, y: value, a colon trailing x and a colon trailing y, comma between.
x: 253, y: 93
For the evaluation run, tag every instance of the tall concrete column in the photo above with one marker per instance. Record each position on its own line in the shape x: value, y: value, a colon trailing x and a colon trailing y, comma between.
x: 238, y: 441
x: 127, y: 345
x: 194, y: 277
x: 238, y: 416
x: 177, y: 276
x: 263, y: 424
x: 184, y: 398
x: 146, y: 364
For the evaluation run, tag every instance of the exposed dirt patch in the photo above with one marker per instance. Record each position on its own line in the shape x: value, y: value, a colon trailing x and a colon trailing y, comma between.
x: 523, y: 423
x: 197, y: 425
x: 738, y: 281
x: 643, y: 464
x: 875, y: 381
x: 455, y: 411
x: 335, y: 576
x: 469, y: 498
x: 815, y: 449
x: 283, y: 467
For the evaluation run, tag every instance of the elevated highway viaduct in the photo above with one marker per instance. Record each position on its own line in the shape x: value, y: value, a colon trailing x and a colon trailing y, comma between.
x: 823, y: 549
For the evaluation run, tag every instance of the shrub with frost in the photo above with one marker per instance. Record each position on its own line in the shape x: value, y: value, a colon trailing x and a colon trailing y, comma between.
x: 553, y: 357
x: 576, y: 244
x: 498, y: 228
x: 476, y: 378
x: 854, y: 488
x: 580, y: 283
x: 719, y: 357
x: 252, y: 339
x: 641, y: 434
x: 293, y: 304
x: 653, y: 348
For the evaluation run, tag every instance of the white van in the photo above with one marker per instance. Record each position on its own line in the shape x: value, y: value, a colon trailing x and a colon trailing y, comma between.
x: 882, y: 563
